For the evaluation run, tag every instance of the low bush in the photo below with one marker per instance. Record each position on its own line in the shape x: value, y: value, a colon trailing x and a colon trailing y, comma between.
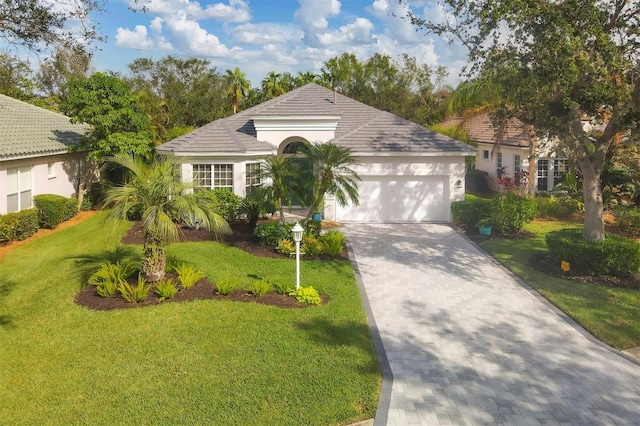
x: 333, y: 242
x: 308, y: 295
x: 557, y: 207
x: 510, y: 212
x: 313, y: 228
x: 226, y: 286
x: 615, y: 255
x: 188, y: 276
x: 628, y: 219
x: 286, y: 247
x: 166, y: 289
x: 468, y: 212
x: 223, y: 201
x: 54, y: 209
x: 260, y: 287
x: 476, y: 180
x: 134, y: 294
x: 282, y: 287
x: 109, y: 276
x: 18, y: 226
x: 271, y: 233
x: 312, y: 246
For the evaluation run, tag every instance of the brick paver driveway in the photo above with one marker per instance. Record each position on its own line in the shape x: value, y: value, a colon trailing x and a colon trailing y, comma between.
x: 468, y: 343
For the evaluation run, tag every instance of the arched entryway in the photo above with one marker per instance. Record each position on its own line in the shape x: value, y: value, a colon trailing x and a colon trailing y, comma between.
x: 302, y: 184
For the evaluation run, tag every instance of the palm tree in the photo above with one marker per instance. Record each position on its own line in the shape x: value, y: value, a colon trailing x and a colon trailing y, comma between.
x: 272, y: 85
x: 278, y: 172
x: 303, y: 78
x: 333, y: 174
x: 156, y: 190
x: 238, y: 86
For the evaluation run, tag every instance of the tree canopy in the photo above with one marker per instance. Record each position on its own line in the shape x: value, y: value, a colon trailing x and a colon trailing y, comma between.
x: 556, y: 63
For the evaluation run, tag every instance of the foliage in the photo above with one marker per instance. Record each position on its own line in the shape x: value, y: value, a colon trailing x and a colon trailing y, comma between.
x: 260, y: 287
x: 333, y: 174
x: 54, y: 209
x: 286, y: 247
x: 561, y: 61
x: 271, y: 233
x: 15, y: 79
x: 557, y: 207
x: 510, y: 211
x: 312, y: 246
x: 308, y: 295
x: 257, y: 204
x: 239, y: 86
x: 226, y: 286
x: 134, y: 294
x: 166, y: 289
x: 468, y: 211
x: 118, y: 123
x: 485, y: 223
x: 278, y: 172
x: 109, y: 276
x: 628, y: 219
x: 157, y: 191
x: 18, y: 226
x: 614, y: 255
x: 55, y: 73
x: 188, y: 275
x: 333, y: 242
x: 476, y: 180
x: 226, y: 203
x: 281, y: 286
x: 313, y: 228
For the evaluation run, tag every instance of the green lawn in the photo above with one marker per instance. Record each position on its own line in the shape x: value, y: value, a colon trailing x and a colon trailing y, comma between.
x: 202, y: 362
x: 610, y: 314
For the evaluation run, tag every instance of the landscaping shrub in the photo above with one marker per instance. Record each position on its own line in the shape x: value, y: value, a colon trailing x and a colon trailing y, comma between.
x: 259, y: 287
x: 134, y: 294
x: 166, y: 289
x: 312, y: 246
x: 510, y: 212
x: 557, y: 207
x: 270, y: 233
x: 95, y: 194
x: 286, y: 247
x: 226, y: 287
x: 188, y: 276
x: 109, y: 276
x: 308, y: 295
x: 476, y: 180
x: 628, y: 219
x: 18, y: 226
x: 223, y: 201
x: 469, y: 211
x: 282, y: 287
x: 54, y: 209
x: 615, y: 255
x: 333, y: 242
x: 313, y: 228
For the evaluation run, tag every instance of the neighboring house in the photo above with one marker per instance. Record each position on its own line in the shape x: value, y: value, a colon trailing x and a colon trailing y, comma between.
x: 34, y: 154
x: 409, y: 173
x: 511, y: 156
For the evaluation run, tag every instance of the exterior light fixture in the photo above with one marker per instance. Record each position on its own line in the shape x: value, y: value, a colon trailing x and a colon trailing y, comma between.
x: 297, y: 237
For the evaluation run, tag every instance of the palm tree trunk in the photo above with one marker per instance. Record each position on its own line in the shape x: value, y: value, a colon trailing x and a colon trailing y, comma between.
x: 154, y: 259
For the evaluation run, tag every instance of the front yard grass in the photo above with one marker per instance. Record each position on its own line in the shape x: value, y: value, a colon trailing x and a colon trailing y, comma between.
x: 610, y: 314
x: 201, y: 362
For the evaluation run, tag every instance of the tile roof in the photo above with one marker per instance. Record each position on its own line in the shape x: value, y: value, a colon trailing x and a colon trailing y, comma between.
x: 480, y: 129
x: 362, y: 128
x: 30, y: 131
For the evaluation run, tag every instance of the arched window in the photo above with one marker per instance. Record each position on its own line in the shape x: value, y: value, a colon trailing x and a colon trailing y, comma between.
x: 293, y: 147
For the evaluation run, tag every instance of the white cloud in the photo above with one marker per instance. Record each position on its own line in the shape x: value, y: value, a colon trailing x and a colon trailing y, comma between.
x: 358, y: 32
x: 190, y: 36
x: 139, y: 39
x: 266, y: 33
x: 235, y: 11
x: 312, y: 17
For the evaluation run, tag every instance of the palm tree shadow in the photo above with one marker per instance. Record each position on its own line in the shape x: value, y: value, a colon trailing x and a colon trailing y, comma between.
x: 6, y: 320
x: 88, y: 264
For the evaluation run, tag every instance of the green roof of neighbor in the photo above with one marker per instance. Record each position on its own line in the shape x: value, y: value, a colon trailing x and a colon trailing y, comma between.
x: 30, y: 131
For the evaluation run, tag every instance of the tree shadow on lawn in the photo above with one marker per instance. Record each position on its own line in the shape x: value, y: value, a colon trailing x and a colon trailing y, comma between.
x: 90, y: 263
x: 6, y: 287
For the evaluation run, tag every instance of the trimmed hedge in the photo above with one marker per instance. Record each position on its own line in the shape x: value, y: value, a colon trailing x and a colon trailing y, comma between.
x: 476, y: 180
x: 54, y: 209
x: 470, y: 211
x: 615, y: 255
x: 510, y: 211
x: 18, y: 226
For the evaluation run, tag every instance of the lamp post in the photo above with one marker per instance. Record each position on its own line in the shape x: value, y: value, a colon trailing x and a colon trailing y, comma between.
x: 297, y: 237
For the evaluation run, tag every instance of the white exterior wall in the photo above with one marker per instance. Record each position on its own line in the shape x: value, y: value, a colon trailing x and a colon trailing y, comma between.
x: 239, y: 170
x: 490, y: 165
x: 275, y: 130
x: 61, y: 182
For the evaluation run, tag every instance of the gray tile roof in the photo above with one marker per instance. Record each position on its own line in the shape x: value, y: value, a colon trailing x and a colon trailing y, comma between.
x: 30, y: 131
x: 362, y: 128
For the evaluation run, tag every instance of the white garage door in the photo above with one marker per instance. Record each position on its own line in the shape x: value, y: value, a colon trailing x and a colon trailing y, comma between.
x: 399, y: 199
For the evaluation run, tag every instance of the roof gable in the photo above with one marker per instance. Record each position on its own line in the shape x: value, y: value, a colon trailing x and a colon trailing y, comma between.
x: 362, y: 128
x: 30, y: 131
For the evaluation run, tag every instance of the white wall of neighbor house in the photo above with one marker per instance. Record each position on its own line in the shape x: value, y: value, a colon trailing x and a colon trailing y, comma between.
x: 21, y: 180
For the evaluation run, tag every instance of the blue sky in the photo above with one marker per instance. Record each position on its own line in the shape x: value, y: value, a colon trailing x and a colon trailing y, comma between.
x: 269, y: 35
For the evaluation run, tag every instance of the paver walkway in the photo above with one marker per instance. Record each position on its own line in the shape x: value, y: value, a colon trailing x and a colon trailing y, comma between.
x: 467, y: 343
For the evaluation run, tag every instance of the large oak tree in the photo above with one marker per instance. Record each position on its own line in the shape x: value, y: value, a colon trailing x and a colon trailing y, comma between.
x: 557, y: 62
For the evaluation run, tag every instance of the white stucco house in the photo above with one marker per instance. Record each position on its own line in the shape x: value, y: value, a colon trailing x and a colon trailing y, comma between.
x: 34, y: 154
x: 409, y: 173
x: 511, y: 156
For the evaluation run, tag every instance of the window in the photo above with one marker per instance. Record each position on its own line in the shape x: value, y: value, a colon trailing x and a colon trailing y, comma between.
x: 560, y: 168
x: 517, y: 168
x: 500, y: 170
x: 51, y: 171
x: 543, y: 175
x: 253, y: 178
x: 213, y: 176
x: 19, y: 189
x: 485, y: 154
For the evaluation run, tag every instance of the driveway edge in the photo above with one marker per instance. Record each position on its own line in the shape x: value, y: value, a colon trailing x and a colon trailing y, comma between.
x: 384, y: 401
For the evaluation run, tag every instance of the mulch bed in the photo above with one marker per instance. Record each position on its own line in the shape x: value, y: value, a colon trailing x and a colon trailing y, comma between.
x: 242, y: 238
